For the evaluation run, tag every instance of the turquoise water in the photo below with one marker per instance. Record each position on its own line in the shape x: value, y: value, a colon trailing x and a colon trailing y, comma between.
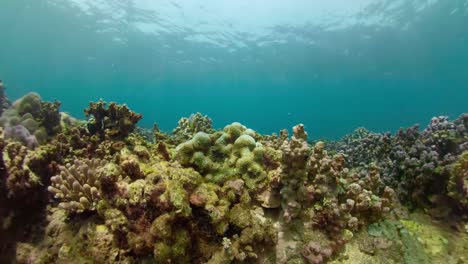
x: 331, y: 65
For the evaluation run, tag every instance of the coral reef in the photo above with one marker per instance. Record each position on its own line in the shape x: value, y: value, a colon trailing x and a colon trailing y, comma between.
x: 113, y: 122
x: 324, y: 194
x: 105, y: 191
x: 294, y: 172
x: 417, y: 164
x: 338, y: 196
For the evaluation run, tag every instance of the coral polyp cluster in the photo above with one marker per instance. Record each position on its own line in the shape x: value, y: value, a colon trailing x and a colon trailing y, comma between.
x: 103, y: 190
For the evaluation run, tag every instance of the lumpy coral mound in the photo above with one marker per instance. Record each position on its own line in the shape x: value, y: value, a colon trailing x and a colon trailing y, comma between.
x: 103, y: 190
x: 232, y: 153
x: 31, y: 121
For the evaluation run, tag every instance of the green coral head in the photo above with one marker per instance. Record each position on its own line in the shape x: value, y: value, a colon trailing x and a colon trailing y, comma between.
x: 201, y: 140
x: 234, y: 130
x: 245, y: 141
x: 30, y: 103
x: 201, y: 161
x: 30, y: 124
x: 250, y: 132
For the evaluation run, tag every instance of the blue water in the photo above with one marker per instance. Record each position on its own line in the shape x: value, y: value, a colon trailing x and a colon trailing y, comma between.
x: 332, y: 65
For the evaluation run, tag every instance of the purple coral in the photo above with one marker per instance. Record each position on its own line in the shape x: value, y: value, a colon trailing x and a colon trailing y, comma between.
x: 415, y: 162
x: 314, y: 253
x: 21, y: 134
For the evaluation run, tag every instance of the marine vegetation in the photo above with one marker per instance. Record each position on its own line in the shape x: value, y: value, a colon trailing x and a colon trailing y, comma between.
x: 100, y: 191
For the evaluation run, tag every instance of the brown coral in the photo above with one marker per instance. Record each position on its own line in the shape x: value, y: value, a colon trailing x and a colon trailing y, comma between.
x: 113, y: 122
x: 294, y: 173
x: 20, y: 179
x: 457, y: 186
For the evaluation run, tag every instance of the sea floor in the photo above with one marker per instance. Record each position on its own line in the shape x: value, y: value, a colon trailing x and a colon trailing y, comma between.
x: 414, y: 238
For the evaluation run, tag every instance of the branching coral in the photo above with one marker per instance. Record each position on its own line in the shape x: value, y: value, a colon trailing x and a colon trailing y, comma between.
x: 321, y: 189
x: 113, y: 122
x: 362, y: 147
x: 26, y: 170
x: 416, y: 163
x: 294, y: 171
x: 77, y: 185
x: 343, y: 199
x: 22, y: 184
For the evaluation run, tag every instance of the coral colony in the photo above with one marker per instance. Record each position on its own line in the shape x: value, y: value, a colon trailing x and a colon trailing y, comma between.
x: 104, y: 191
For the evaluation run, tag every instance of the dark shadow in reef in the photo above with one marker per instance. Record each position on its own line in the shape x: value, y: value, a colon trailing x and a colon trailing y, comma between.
x: 22, y: 221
